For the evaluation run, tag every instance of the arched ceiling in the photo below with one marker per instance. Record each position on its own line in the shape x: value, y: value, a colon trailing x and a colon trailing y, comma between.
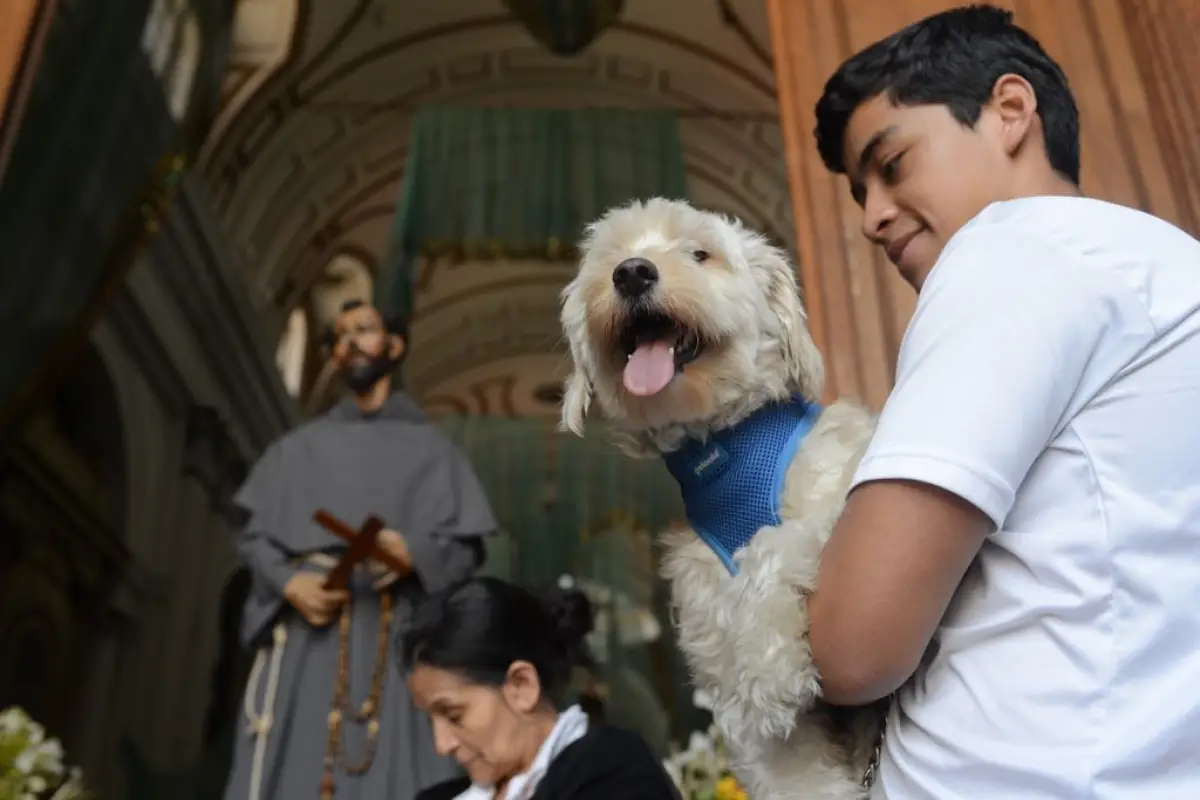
x: 310, y: 166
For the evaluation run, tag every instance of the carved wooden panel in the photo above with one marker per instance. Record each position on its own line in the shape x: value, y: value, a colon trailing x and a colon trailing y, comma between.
x: 1164, y: 34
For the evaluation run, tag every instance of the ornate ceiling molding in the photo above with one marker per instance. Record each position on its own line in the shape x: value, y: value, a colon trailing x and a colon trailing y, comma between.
x: 311, y: 166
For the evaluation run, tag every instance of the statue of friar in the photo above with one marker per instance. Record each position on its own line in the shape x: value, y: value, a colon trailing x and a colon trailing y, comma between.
x: 325, y: 713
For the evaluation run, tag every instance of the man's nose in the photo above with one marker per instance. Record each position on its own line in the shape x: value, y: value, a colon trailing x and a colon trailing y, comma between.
x: 879, y: 211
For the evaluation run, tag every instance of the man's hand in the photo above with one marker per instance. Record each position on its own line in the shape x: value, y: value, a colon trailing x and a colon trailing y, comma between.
x: 307, y: 593
x: 393, y: 544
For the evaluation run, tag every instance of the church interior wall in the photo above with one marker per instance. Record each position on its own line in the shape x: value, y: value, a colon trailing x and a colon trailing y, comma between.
x: 175, y: 350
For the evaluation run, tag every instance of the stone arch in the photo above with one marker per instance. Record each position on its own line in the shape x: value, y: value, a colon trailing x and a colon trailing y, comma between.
x: 264, y: 39
x: 88, y: 409
x: 306, y: 146
x: 312, y: 165
x: 63, y: 504
x: 42, y: 642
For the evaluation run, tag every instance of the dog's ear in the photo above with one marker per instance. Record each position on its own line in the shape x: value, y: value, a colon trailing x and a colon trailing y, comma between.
x: 577, y: 398
x: 805, y: 367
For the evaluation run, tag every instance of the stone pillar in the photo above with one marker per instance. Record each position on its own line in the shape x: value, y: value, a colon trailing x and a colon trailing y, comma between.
x: 858, y: 306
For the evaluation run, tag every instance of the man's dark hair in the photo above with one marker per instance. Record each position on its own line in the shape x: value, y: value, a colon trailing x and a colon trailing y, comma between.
x: 952, y: 59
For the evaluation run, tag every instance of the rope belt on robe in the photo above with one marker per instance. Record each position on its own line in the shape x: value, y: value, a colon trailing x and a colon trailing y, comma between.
x: 260, y: 721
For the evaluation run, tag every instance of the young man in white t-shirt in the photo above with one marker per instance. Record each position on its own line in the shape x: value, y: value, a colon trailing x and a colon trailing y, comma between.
x: 1020, y: 559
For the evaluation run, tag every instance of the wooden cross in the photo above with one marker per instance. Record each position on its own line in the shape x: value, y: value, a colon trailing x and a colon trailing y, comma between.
x: 362, y: 546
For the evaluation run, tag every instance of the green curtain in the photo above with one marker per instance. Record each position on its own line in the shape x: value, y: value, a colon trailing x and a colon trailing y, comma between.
x: 520, y: 182
x: 556, y: 496
x: 576, y: 506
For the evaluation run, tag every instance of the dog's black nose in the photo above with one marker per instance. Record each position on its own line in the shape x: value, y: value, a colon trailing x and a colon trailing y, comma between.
x: 633, y: 277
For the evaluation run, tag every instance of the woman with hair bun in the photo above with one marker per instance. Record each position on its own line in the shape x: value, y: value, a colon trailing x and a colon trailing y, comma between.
x: 485, y: 659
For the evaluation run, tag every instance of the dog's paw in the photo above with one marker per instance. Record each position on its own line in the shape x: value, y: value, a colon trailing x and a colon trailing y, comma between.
x: 776, y: 674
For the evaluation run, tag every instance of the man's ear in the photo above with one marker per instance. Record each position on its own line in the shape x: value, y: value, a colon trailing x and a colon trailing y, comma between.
x: 1015, y: 102
x: 397, y: 346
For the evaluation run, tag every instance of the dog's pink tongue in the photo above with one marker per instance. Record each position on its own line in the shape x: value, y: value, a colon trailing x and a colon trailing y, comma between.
x: 650, y: 369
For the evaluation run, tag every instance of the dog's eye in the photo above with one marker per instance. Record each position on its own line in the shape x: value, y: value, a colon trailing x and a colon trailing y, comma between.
x: 700, y: 255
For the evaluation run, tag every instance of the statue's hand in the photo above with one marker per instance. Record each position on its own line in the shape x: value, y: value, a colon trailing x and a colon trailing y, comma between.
x: 394, y: 545
x: 307, y: 593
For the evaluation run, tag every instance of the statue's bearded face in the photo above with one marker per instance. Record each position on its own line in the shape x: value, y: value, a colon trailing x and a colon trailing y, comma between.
x: 363, y: 349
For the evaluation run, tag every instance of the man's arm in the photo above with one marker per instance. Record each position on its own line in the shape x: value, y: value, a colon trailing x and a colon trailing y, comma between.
x: 267, y: 561
x: 271, y: 568
x: 886, y: 577
x: 257, y: 501
x: 454, y: 549
x: 1011, y: 339
x: 440, y: 561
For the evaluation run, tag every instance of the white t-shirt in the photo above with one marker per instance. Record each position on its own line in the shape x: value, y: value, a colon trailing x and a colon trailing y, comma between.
x: 1051, y: 377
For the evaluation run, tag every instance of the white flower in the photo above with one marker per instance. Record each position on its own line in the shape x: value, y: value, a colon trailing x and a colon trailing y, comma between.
x: 674, y: 770
x: 699, y: 744
x: 25, y: 762
x: 50, y: 757
x: 39, y: 765
x: 72, y: 789
x: 35, y: 732
x: 13, y: 720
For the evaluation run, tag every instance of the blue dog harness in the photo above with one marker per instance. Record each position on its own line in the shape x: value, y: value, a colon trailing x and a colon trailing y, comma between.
x: 732, y: 481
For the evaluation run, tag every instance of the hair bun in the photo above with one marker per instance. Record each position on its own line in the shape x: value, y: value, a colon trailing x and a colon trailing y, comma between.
x: 571, y: 612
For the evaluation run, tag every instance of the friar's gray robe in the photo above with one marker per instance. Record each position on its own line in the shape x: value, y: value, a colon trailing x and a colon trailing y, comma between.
x: 394, y: 464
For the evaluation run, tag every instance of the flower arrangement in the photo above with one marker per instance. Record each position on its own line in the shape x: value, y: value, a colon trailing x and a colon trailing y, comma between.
x: 31, y: 765
x: 702, y: 770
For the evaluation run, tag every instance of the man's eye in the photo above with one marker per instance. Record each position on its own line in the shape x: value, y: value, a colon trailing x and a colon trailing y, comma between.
x: 890, y: 168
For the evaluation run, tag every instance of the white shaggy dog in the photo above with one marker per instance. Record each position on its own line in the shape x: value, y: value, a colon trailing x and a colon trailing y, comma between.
x: 686, y: 327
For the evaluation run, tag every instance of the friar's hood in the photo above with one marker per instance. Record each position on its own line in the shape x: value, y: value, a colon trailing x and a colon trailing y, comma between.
x: 398, y: 406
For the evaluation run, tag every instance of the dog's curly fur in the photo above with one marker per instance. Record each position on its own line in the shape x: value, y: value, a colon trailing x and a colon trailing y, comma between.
x: 745, y: 636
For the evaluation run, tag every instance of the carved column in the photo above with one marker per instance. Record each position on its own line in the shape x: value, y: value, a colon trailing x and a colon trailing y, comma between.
x: 1164, y: 34
x: 1141, y: 147
x: 857, y: 304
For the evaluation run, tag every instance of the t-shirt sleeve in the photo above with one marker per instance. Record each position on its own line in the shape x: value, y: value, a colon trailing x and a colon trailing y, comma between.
x: 1010, y: 339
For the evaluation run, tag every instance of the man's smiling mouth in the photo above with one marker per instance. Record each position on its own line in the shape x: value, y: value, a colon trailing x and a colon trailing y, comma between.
x: 896, y: 247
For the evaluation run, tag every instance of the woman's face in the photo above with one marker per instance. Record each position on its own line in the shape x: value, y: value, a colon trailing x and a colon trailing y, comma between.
x: 494, y: 732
